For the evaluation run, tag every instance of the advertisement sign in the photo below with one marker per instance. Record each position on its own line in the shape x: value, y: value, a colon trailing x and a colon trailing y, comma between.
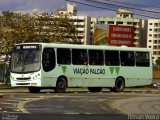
x: 121, y: 35
x: 100, y: 36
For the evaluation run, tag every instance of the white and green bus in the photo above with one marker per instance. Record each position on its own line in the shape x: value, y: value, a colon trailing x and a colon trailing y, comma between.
x: 58, y: 66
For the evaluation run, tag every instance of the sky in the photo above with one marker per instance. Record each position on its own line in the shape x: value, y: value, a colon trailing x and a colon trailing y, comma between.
x: 106, y: 8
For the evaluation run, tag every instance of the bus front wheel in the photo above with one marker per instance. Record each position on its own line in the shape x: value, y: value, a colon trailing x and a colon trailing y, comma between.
x: 61, y: 85
x: 34, y: 89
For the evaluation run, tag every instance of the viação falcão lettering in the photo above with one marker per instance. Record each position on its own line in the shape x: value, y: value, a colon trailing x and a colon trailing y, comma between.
x: 88, y: 71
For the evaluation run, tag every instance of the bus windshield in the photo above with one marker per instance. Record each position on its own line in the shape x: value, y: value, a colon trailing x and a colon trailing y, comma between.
x: 25, y: 60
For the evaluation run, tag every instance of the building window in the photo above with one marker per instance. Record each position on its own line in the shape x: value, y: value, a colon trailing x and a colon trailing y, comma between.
x: 154, y: 47
x: 120, y: 23
x: 155, y: 30
x: 155, y: 41
x: 150, y: 40
x: 129, y: 23
x: 155, y: 35
x: 110, y: 22
x: 150, y: 23
x: 156, y: 24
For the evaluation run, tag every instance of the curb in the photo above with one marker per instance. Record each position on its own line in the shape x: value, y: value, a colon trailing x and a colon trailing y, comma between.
x: 1, y: 95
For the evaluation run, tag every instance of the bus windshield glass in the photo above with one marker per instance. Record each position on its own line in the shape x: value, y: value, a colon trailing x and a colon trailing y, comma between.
x: 26, y: 58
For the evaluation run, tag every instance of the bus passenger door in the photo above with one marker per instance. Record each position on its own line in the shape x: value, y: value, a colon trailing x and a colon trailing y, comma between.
x: 48, y: 64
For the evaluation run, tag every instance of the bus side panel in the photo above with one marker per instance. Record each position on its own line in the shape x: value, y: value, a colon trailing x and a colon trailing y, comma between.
x: 88, y: 76
x: 49, y: 78
x: 136, y: 76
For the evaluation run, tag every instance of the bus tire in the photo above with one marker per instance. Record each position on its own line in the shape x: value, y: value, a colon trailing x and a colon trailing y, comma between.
x: 34, y: 89
x: 61, y: 85
x: 119, y: 85
x: 94, y: 89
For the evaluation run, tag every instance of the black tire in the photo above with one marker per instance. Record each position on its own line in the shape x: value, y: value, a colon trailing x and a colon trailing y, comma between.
x: 94, y: 89
x: 34, y: 89
x: 119, y: 85
x: 61, y: 85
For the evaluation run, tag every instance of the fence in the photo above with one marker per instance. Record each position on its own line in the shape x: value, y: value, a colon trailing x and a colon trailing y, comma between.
x: 4, y: 75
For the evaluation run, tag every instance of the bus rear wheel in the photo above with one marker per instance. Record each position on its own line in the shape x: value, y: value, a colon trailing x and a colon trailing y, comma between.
x: 119, y: 85
x: 94, y: 89
x: 61, y: 85
x: 34, y: 89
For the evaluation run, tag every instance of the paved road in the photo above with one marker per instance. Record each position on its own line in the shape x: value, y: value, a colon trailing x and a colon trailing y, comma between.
x: 78, y: 105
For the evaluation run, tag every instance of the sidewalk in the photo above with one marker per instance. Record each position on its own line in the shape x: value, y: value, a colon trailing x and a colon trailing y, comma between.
x: 126, y: 90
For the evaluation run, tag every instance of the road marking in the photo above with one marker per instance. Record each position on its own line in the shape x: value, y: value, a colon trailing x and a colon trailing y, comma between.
x: 72, y: 113
x: 22, y: 103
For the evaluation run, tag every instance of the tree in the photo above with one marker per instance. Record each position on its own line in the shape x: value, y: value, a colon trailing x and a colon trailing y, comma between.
x: 19, y: 28
x: 15, y: 28
x: 51, y: 28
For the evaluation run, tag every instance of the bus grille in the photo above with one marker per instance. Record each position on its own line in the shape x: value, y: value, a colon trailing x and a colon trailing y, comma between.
x: 27, y: 78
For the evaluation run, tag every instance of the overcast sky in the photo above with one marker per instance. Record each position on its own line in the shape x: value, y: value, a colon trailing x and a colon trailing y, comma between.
x: 52, y: 5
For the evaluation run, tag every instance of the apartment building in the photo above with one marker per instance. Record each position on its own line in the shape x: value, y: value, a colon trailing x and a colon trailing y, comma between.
x: 124, y: 17
x: 82, y: 23
x: 153, y: 38
x: 70, y: 10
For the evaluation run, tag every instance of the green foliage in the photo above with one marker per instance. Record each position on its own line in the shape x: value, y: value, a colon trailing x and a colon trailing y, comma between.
x: 22, y: 28
x: 158, y: 61
x: 15, y: 28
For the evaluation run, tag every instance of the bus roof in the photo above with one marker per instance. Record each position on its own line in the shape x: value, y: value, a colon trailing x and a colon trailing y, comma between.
x: 96, y: 47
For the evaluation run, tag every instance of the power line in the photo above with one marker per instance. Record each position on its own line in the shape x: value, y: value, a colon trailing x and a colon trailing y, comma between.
x: 95, y: 6
x: 97, y: 2
x: 137, y: 5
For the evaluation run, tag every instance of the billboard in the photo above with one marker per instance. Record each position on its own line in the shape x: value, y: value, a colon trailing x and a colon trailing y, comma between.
x: 121, y: 35
x: 100, y: 36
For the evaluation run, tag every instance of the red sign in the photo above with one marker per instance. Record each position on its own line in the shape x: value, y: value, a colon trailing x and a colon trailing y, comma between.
x: 121, y: 35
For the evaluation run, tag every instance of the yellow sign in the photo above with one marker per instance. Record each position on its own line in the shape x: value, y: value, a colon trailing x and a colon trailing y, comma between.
x: 100, y: 37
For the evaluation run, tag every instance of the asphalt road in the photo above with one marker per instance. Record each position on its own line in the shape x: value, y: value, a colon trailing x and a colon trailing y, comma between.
x: 78, y: 105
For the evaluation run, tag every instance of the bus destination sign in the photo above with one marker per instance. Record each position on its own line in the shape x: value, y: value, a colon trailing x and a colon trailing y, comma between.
x: 27, y: 47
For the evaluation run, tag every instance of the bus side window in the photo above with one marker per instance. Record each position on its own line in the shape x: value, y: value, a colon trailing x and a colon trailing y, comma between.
x: 48, y: 59
x: 96, y: 57
x: 127, y: 58
x: 142, y: 59
x: 112, y: 58
x: 63, y: 56
x: 79, y: 57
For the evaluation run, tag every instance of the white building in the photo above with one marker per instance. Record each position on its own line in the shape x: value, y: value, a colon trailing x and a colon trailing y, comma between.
x: 153, y: 37
x: 70, y: 10
x: 125, y: 17
x: 82, y: 23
